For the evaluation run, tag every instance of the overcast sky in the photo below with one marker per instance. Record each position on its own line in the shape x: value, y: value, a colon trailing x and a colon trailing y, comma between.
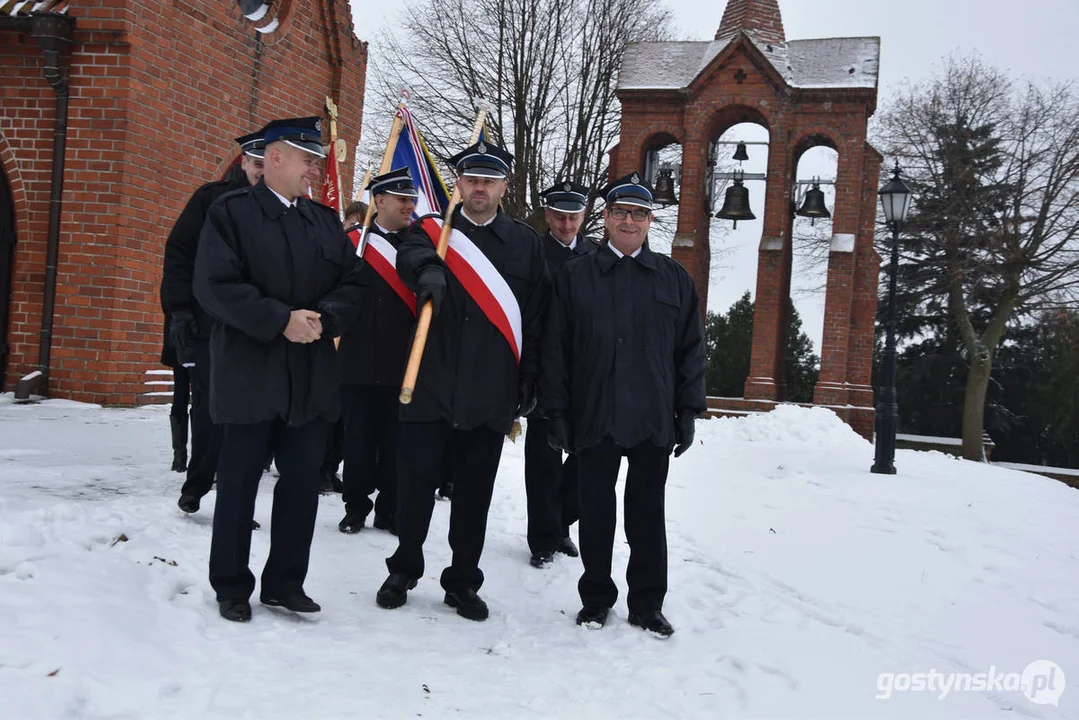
x: 1033, y: 38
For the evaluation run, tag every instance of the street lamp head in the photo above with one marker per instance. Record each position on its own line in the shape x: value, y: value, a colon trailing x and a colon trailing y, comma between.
x: 895, y: 199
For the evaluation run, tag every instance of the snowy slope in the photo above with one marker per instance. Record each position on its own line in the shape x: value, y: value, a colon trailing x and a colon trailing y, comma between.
x: 796, y: 579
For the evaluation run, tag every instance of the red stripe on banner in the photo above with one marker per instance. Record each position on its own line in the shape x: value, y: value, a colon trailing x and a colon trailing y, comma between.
x: 389, y: 273
x: 475, y: 287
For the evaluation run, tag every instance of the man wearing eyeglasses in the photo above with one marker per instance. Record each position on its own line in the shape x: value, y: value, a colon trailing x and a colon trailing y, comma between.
x: 623, y: 376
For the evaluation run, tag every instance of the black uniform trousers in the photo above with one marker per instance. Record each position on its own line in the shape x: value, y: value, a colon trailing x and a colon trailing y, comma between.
x: 420, y: 463
x: 181, y: 392
x: 298, y: 453
x: 646, y: 532
x: 335, y: 448
x: 205, y: 434
x: 371, y: 440
x: 550, y: 488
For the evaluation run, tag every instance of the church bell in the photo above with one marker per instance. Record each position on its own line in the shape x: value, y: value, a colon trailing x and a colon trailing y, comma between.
x: 740, y: 153
x: 736, y: 204
x: 813, y: 206
x: 664, y: 194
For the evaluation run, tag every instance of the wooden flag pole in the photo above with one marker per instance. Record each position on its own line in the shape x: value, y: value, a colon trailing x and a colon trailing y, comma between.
x: 387, y: 163
x: 419, y: 341
x: 363, y: 184
x: 387, y: 159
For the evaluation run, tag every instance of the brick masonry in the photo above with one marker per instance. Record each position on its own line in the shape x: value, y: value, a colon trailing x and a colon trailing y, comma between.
x: 158, y: 91
x: 740, y: 85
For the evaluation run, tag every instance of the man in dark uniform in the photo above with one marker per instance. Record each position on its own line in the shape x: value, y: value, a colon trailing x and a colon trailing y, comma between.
x: 623, y: 376
x: 280, y: 278
x: 550, y: 481
x: 189, y: 326
x: 478, y: 373
x: 181, y: 398
x: 335, y: 445
x: 373, y: 357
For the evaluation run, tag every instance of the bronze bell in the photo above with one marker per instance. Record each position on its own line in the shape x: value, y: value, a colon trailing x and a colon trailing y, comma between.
x: 740, y: 153
x: 813, y: 206
x: 664, y: 194
x: 736, y: 204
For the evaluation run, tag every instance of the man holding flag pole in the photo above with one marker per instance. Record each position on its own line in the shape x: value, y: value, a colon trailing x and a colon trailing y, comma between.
x: 484, y: 282
x: 373, y: 354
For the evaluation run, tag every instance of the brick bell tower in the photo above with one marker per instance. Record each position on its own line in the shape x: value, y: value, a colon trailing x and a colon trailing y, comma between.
x: 806, y: 93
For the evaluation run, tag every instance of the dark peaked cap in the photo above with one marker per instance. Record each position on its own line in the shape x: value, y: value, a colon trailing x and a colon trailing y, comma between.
x: 303, y: 133
x: 395, y: 182
x: 631, y: 189
x: 483, y: 159
x: 252, y: 145
x: 566, y: 196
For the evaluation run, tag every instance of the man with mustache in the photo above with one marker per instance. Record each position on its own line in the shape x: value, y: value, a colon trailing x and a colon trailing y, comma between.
x: 623, y: 376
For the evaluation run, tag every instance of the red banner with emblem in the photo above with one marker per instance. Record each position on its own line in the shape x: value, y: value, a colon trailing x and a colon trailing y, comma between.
x: 331, y: 187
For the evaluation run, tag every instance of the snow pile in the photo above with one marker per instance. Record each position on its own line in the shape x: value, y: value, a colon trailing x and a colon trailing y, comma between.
x: 801, y: 585
x: 789, y: 426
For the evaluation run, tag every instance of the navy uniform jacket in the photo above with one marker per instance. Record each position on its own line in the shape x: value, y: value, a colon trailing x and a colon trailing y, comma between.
x: 256, y: 263
x: 177, y: 292
x: 469, y: 376
x: 623, y: 352
x: 375, y: 349
x: 557, y: 253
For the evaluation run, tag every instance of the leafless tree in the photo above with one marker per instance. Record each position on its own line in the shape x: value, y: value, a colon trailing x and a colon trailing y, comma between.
x: 994, y: 232
x: 548, y: 67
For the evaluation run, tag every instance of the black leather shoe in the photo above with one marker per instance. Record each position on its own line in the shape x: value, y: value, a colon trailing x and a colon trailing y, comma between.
x: 188, y: 503
x: 235, y: 610
x: 326, y: 484
x: 385, y: 522
x: 541, y: 559
x: 468, y: 603
x: 566, y: 547
x: 653, y: 622
x: 295, y: 601
x: 352, y: 523
x: 394, y: 591
x: 593, y: 616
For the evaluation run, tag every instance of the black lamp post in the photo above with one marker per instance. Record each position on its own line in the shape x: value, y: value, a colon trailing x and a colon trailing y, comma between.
x: 895, y: 199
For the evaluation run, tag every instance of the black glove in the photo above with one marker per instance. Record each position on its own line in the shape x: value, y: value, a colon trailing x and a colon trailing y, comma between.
x: 183, y: 330
x: 526, y: 399
x: 431, y: 285
x: 558, y: 432
x: 683, y: 432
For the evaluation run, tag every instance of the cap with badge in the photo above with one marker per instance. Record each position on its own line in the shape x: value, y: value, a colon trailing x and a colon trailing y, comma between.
x: 629, y: 190
x: 566, y: 196
x: 395, y: 182
x: 303, y: 133
x: 483, y: 160
x: 252, y: 145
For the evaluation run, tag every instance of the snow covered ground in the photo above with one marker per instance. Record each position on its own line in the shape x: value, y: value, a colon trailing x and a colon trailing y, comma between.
x: 801, y: 586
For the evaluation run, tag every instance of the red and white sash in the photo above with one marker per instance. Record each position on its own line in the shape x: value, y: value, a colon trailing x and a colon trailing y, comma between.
x: 482, y: 281
x: 382, y: 257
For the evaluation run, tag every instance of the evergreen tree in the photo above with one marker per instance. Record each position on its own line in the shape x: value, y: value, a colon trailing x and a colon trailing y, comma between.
x: 729, y: 340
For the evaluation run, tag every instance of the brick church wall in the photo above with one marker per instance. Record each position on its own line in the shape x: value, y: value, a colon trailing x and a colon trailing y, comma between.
x: 158, y: 91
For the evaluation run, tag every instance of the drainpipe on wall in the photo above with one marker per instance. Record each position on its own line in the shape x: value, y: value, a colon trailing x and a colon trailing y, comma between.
x: 53, y: 33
